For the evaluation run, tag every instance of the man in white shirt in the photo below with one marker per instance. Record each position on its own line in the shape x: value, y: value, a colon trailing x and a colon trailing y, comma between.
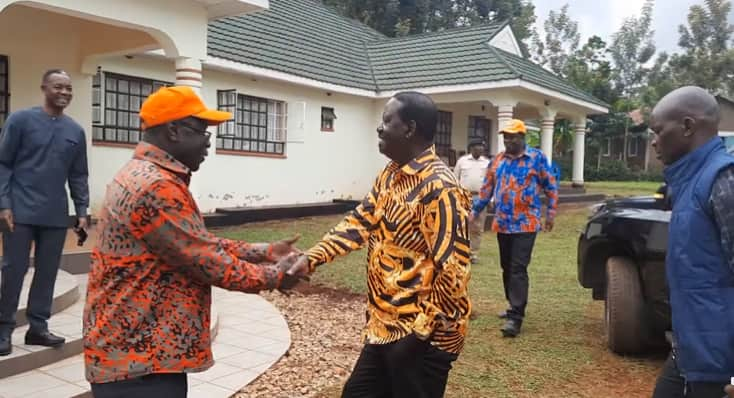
x: 471, y: 170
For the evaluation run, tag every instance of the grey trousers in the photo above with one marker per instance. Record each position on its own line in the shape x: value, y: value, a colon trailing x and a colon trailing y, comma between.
x: 16, y: 259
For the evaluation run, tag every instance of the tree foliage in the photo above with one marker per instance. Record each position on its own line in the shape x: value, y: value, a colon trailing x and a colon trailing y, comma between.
x: 560, y: 41
x: 707, y: 59
x: 631, y: 48
x: 404, y: 17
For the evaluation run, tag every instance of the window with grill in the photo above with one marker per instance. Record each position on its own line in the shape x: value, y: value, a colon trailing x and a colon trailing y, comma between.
x: 327, y: 119
x: 258, y: 126
x: 443, y: 134
x: 4, y: 89
x: 116, y: 101
x: 479, y: 128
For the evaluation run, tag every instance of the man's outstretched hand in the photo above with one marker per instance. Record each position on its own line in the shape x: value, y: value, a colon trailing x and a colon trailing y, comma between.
x: 300, y: 268
x: 285, y: 247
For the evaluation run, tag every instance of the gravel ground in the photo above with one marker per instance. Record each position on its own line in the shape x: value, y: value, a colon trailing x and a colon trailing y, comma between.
x: 325, y: 329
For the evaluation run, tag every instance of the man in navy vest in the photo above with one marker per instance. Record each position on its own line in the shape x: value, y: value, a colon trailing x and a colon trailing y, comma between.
x: 700, y: 258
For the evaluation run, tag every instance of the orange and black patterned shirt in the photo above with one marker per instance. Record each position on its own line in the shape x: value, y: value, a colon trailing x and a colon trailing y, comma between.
x: 414, y: 222
x: 149, y: 292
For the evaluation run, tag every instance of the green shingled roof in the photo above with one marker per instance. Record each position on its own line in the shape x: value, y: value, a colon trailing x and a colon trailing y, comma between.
x: 308, y: 39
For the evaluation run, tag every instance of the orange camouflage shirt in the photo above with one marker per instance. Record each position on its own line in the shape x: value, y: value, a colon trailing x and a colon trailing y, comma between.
x: 149, y: 293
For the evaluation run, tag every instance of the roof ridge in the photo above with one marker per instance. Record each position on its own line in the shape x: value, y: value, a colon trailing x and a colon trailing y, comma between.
x: 351, y: 21
x: 504, y: 61
x: 560, y: 79
x: 483, y: 25
x: 369, y: 65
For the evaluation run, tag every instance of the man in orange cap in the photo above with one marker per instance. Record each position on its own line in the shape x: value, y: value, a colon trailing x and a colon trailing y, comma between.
x: 146, y: 320
x: 514, y: 183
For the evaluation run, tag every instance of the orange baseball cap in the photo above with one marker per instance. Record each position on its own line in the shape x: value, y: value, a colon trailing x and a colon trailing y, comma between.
x: 178, y: 102
x: 514, y: 126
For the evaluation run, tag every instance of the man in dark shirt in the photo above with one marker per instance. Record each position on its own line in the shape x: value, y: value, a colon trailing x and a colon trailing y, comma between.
x: 41, y: 149
x: 700, y: 257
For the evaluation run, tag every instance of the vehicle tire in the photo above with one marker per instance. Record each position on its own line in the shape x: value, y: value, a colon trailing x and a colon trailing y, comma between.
x: 623, y: 307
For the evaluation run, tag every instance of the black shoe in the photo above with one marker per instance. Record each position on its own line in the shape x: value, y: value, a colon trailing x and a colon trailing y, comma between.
x: 511, y: 328
x: 6, y: 346
x: 44, y: 338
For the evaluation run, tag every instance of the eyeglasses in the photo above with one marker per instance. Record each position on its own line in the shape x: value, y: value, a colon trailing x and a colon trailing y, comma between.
x: 205, y: 133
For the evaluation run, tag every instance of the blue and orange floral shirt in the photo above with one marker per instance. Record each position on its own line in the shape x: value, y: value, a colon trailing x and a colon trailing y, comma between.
x: 514, y: 185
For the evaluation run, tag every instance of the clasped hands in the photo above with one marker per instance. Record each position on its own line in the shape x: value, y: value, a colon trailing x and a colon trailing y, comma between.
x: 291, y: 261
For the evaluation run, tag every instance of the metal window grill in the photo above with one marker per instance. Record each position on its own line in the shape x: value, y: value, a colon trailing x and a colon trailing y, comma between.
x: 259, y: 124
x: 443, y: 133
x: 116, y: 101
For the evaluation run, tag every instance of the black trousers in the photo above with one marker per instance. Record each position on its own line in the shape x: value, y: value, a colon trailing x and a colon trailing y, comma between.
x: 515, y: 253
x: 408, y: 367
x: 157, y: 385
x: 16, y: 253
x: 670, y: 384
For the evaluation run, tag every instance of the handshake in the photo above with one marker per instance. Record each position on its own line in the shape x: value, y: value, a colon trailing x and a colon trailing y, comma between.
x: 291, y: 262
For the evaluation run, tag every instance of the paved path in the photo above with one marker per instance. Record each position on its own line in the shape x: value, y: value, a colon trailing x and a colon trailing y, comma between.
x: 252, y: 335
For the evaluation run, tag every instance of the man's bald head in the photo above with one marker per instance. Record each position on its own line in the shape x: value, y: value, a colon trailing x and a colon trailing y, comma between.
x: 683, y: 120
x: 691, y: 102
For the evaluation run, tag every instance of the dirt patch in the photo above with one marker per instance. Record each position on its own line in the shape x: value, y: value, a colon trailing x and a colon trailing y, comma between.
x: 607, y: 374
x: 325, y: 327
x: 311, y: 289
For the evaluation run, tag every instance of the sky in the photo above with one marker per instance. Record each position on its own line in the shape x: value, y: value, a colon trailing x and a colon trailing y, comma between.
x: 604, y: 17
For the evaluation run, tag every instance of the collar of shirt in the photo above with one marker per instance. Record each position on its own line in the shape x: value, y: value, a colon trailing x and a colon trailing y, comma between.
x: 481, y: 158
x: 419, y: 163
x: 506, y: 155
x: 151, y: 153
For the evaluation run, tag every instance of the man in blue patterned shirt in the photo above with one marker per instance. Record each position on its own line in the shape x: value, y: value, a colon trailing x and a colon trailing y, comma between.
x: 514, y: 183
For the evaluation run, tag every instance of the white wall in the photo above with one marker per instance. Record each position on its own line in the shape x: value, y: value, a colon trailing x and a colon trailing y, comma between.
x: 105, y: 161
x: 325, y: 166
x: 21, y: 35
x: 181, y: 32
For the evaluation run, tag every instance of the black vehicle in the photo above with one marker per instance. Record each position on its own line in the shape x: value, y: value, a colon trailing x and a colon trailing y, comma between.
x: 621, y: 258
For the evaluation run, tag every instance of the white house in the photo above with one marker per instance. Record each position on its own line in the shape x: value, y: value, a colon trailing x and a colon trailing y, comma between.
x: 306, y: 85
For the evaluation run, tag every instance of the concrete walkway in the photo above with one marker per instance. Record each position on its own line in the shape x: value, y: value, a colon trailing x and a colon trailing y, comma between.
x: 251, y: 335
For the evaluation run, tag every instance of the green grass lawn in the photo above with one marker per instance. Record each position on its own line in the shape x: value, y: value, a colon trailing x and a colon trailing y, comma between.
x: 562, y: 341
x: 623, y: 188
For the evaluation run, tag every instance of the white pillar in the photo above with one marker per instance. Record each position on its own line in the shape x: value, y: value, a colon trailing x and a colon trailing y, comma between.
x: 546, y: 133
x: 578, y: 151
x: 188, y: 73
x: 505, y: 112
